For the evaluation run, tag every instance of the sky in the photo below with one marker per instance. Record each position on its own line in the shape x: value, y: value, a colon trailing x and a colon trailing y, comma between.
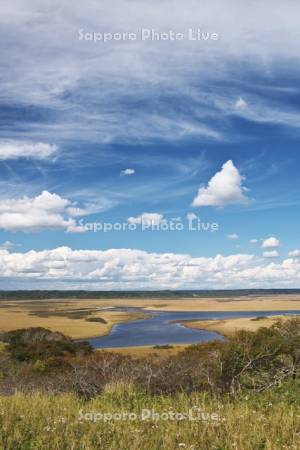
x: 149, y: 145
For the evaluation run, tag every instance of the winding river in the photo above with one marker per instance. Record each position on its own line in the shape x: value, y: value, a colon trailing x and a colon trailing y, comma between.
x: 164, y: 327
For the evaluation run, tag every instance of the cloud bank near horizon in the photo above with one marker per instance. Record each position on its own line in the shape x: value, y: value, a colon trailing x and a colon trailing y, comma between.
x: 137, y: 269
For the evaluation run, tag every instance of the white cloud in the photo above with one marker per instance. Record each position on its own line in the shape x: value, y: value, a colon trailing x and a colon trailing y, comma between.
x: 233, y: 236
x: 271, y: 242
x: 127, y: 172
x: 191, y: 216
x: 240, y: 104
x: 253, y: 241
x: 16, y: 149
x: 74, y: 211
x: 7, y: 245
x: 130, y: 70
x: 146, y: 219
x: 129, y: 268
x: 224, y: 188
x: 271, y: 254
x: 45, y: 211
x: 294, y: 254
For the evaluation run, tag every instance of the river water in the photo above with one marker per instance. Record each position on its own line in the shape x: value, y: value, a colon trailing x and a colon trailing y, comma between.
x: 162, y: 328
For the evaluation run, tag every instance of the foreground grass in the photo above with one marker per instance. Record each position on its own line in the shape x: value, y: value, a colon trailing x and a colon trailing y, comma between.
x: 267, y: 420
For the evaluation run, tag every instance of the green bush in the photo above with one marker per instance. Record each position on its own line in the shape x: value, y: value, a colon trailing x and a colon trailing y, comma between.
x: 247, y: 361
x: 40, y: 344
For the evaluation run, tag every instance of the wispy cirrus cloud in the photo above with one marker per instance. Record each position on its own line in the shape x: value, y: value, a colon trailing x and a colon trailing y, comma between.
x: 91, y: 95
x: 10, y: 149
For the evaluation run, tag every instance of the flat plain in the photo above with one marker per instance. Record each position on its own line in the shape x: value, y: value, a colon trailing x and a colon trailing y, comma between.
x: 82, y: 319
x: 227, y: 327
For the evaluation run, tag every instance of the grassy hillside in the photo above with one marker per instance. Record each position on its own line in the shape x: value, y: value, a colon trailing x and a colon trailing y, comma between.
x: 65, y: 422
x: 242, y: 393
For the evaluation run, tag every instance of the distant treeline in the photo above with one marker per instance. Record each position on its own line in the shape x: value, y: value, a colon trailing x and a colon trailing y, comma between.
x: 167, y: 294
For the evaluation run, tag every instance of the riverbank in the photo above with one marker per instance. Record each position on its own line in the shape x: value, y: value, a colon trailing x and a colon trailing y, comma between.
x: 253, y: 303
x: 157, y: 351
x: 227, y: 327
x: 75, y: 323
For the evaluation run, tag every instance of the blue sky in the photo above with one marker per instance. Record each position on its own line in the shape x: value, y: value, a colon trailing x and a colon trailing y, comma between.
x: 127, y: 132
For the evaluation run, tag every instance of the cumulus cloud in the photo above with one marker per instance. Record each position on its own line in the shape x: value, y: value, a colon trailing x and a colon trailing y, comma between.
x: 15, y: 149
x: 45, y: 211
x: 7, y: 245
x: 294, y: 254
x: 129, y: 268
x: 232, y: 236
x: 146, y: 219
x: 271, y: 254
x: 271, y: 242
x: 191, y: 216
x: 240, y: 104
x: 224, y: 188
x: 127, y: 172
x: 253, y: 241
x: 75, y: 211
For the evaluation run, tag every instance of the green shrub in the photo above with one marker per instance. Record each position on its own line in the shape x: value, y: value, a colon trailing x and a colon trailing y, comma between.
x: 33, y: 344
x: 163, y: 347
x: 247, y: 361
x: 96, y: 319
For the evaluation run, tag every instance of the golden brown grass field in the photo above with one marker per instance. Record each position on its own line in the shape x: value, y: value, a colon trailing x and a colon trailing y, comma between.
x: 227, y: 327
x: 72, y: 317
x: 69, y: 317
